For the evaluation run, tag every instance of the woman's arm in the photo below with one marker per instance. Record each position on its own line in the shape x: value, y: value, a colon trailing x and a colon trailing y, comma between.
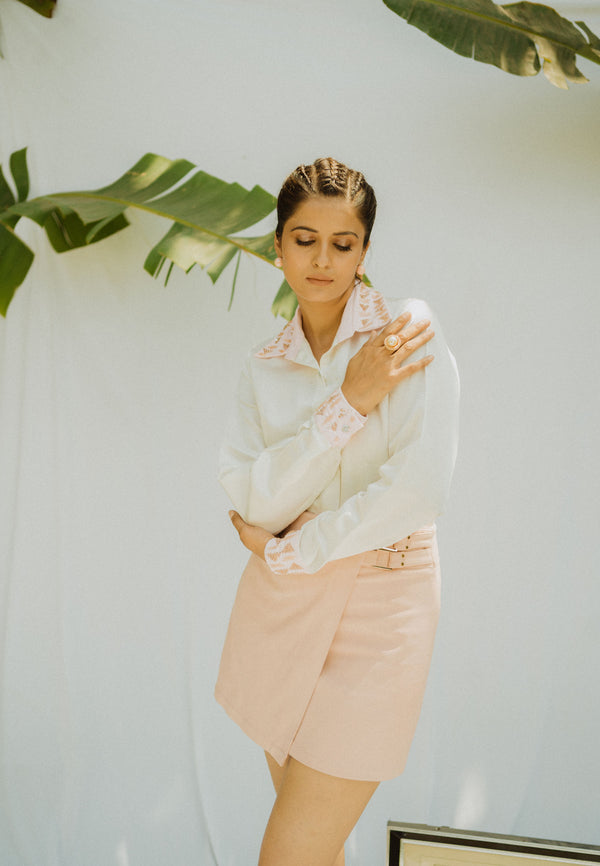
x: 412, y: 486
x: 271, y: 486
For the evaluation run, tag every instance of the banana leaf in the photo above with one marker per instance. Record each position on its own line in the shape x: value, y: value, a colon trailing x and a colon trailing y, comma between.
x: 42, y: 7
x: 20, y: 174
x: 15, y: 261
x: 7, y: 197
x: 15, y: 255
x: 285, y: 302
x: 206, y: 215
x: 520, y: 38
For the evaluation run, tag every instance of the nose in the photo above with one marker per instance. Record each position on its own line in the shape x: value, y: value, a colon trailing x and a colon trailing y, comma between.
x: 321, y: 255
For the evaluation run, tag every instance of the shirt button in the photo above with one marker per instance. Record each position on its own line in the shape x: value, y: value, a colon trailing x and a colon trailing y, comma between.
x: 345, y: 429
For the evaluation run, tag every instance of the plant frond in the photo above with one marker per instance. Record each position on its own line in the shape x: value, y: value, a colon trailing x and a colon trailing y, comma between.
x: 520, y: 38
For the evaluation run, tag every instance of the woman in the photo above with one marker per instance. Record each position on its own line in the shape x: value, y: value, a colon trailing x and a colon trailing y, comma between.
x: 338, y: 463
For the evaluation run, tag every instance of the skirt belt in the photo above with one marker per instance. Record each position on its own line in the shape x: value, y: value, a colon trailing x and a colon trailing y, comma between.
x: 414, y: 551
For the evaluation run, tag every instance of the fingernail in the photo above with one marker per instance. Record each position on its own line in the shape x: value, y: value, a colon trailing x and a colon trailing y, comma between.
x: 231, y: 513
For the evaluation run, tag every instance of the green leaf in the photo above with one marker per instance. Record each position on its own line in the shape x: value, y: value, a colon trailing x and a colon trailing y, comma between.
x: 519, y: 38
x: 593, y: 40
x: 7, y: 197
x: 206, y: 214
x: 18, y: 169
x: 67, y: 232
x: 15, y: 261
x: 285, y: 302
x: 207, y: 211
x: 187, y: 246
x: 149, y: 177
x: 42, y: 7
x: 472, y: 28
x: 263, y: 246
x: 169, y: 273
x: 556, y: 40
x: 105, y: 228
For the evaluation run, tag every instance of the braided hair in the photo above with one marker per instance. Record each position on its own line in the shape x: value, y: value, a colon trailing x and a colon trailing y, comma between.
x: 328, y: 177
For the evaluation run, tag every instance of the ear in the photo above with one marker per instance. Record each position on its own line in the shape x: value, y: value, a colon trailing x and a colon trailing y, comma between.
x: 277, y: 245
x: 364, y: 252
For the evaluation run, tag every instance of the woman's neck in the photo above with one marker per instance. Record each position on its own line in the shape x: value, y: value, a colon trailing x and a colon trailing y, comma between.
x: 320, y: 323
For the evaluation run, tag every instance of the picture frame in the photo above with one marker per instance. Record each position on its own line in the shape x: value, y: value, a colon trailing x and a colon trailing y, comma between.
x: 424, y: 845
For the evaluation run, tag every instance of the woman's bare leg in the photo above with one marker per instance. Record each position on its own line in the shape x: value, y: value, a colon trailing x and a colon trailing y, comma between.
x: 312, y: 816
x: 277, y: 774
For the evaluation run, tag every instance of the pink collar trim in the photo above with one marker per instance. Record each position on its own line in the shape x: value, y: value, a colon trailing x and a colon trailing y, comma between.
x: 366, y: 310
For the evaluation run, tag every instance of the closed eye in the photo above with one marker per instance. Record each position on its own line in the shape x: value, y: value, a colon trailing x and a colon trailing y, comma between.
x: 339, y: 247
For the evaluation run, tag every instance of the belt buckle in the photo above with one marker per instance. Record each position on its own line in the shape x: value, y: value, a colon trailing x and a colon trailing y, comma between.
x: 388, y: 550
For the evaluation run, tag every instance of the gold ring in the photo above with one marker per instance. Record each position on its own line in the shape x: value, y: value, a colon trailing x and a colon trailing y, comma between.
x: 392, y: 342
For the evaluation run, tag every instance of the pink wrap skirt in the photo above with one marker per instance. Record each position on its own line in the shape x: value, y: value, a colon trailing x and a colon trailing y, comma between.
x: 331, y: 667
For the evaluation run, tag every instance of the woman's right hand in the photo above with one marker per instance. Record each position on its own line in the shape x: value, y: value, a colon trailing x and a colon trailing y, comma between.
x: 374, y: 371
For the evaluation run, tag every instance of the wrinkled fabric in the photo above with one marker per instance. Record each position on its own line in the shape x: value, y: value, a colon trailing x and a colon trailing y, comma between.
x: 393, y: 476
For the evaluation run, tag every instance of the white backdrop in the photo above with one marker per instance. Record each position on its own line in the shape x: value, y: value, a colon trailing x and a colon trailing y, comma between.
x: 118, y: 564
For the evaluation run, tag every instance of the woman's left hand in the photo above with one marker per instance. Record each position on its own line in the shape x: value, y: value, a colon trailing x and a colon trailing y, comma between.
x: 254, y: 538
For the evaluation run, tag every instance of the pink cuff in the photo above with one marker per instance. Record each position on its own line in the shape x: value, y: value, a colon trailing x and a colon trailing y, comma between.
x: 283, y: 554
x: 337, y: 420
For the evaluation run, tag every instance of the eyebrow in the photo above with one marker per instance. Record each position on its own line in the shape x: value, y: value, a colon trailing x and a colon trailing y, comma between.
x: 315, y: 231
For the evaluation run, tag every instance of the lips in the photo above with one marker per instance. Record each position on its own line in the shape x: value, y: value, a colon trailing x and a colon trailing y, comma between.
x: 319, y: 281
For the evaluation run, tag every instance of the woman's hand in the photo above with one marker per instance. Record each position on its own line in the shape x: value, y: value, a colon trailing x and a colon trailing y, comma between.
x: 254, y: 538
x: 374, y: 371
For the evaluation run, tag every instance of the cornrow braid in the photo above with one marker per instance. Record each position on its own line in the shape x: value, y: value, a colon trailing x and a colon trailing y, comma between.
x: 326, y: 176
x: 332, y: 175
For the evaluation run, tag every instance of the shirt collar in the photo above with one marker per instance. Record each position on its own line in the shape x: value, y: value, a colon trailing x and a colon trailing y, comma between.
x: 366, y: 310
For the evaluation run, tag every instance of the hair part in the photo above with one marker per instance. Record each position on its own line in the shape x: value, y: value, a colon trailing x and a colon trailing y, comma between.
x: 327, y: 177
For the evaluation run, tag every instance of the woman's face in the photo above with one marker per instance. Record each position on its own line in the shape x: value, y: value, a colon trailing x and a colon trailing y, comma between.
x: 321, y: 246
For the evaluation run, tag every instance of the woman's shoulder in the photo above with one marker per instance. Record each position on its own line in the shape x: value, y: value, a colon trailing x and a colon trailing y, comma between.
x: 417, y: 307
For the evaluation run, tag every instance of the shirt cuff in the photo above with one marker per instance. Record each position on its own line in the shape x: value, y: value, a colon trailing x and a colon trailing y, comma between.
x: 282, y: 555
x: 337, y: 420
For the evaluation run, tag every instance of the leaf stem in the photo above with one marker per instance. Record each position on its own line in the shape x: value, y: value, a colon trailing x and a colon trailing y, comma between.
x: 233, y: 284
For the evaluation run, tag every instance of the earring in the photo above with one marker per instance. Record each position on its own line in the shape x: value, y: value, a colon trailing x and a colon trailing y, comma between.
x: 360, y: 271
x: 278, y: 262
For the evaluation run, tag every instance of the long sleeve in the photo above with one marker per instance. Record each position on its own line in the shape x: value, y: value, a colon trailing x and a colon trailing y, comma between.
x: 412, y: 486
x: 271, y: 485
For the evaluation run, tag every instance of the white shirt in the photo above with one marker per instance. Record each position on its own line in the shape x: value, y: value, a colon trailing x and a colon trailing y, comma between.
x: 295, y: 444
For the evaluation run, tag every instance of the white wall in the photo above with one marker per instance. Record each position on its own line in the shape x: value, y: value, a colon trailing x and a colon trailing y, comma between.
x: 117, y: 560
